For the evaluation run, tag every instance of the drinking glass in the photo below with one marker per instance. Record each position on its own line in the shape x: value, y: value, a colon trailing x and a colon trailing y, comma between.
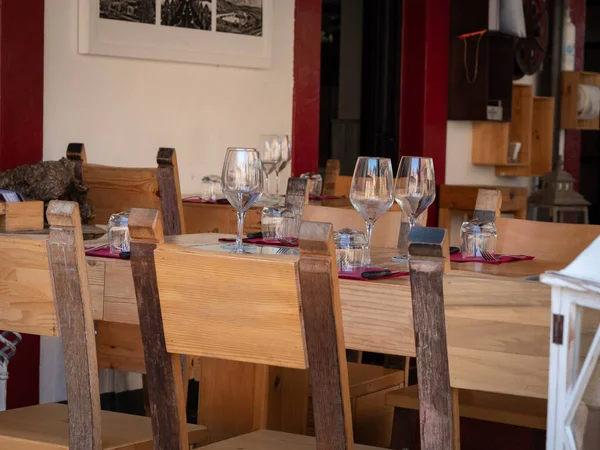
x: 286, y: 157
x: 270, y: 155
x: 242, y: 182
x: 372, y: 193
x: 415, y: 186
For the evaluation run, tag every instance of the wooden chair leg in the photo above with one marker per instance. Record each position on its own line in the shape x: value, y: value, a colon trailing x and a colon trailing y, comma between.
x: 456, y: 418
x: 406, y: 422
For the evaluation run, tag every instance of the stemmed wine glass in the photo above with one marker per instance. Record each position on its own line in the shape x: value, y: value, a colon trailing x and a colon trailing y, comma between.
x: 270, y: 155
x: 415, y: 187
x: 372, y: 193
x: 242, y: 182
x: 286, y: 157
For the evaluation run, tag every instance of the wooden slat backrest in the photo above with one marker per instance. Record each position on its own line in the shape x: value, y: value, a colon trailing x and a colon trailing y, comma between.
x: 279, y: 310
x: 75, y: 318
x: 26, y: 298
x: 225, y: 306
x: 116, y: 189
x: 332, y: 172
x: 426, y: 263
x: 544, y: 240
x: 487, y: 207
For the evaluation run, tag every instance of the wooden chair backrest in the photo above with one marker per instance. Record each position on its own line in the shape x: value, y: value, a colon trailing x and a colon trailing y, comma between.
x: 334, y: 183
x: 426, y: 264
x: 390, y: 230
x: 116, y: 189
x: 44, y: 290
x: 544, y: 240
x: 279, y: 310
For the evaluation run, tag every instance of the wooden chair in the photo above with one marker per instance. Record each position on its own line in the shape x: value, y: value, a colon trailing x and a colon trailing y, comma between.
x: 335, y: 184
x: 116, y: 189
x: 289, y: 317
x: 44, y: 290
x: 461, y: 200
x: 515, y: 236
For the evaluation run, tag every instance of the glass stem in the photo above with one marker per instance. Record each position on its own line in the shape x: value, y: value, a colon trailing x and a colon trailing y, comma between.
x: 277, y: 183
x: 267, y: 190
x: 239, y: 243
x: 368, y: 247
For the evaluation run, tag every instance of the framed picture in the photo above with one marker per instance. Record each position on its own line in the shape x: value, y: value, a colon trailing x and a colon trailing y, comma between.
x: 218, y: 32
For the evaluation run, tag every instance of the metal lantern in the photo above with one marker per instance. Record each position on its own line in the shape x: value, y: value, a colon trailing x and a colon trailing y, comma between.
x: 556, y: 197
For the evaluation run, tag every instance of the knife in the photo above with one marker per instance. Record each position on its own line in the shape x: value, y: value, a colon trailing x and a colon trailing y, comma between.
x: 374, y: 274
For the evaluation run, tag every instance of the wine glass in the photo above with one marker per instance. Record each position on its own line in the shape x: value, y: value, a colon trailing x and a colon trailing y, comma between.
x: 415, y: 186
x: 270, y: 155
x: 242, y: 182
x: 286, y: 157
x: 372, y: 193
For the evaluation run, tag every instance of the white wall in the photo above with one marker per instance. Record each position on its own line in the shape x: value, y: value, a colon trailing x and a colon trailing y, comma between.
x: 124, y: 109
x: 459, y: 169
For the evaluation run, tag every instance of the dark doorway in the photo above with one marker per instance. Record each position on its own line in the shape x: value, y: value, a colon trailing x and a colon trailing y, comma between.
x: 360, y: 80
x: 589, y: 181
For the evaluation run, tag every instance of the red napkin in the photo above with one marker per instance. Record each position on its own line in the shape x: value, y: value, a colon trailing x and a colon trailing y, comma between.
x: 458, y: 257
x: 356, y: 274
x: 221, y: 201
x: 261, y: 241
x: 102, y: 252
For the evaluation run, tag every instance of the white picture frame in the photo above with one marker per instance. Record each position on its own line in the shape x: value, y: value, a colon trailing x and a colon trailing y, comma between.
x: 155, y: 41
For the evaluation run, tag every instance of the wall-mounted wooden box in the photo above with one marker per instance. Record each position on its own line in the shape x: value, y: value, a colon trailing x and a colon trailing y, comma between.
x: 570, y: 97
x: 21, y: 216
x: 531, y: 125
x: 481, y: 82
x: 535, y: 159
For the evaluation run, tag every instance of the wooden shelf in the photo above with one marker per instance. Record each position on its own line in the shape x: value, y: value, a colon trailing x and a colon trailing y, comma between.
x: 531, y: 125
x: 570, y: 97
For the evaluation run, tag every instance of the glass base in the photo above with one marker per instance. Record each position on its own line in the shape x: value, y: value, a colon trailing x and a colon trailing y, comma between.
x: 246, y: 249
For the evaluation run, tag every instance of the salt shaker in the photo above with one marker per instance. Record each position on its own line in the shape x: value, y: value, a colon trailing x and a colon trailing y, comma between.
x: 118, y: 232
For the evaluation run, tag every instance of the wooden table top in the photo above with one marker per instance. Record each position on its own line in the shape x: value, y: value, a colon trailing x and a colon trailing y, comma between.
x: 498, y: 324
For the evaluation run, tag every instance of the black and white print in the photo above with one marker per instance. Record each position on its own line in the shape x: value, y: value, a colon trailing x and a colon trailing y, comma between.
x: 195, y: 14
x: 240, y: 17
x: 140, y: 11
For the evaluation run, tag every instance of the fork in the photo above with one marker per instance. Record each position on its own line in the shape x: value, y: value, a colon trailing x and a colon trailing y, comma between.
x: 488, y: 256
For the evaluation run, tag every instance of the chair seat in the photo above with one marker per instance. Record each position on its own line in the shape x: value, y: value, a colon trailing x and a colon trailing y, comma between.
x: 45, y: 427
x: 500, y: 408
x: 272, y: 440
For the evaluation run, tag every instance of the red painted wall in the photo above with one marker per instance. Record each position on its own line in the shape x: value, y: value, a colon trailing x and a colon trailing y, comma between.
x: 424, y: 84
x: 21, y: 127
x: 307, y: 87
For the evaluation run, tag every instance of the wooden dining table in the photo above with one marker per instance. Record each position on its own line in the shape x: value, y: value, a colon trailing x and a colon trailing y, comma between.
x: 498, y: 323
x: 498, y: 334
